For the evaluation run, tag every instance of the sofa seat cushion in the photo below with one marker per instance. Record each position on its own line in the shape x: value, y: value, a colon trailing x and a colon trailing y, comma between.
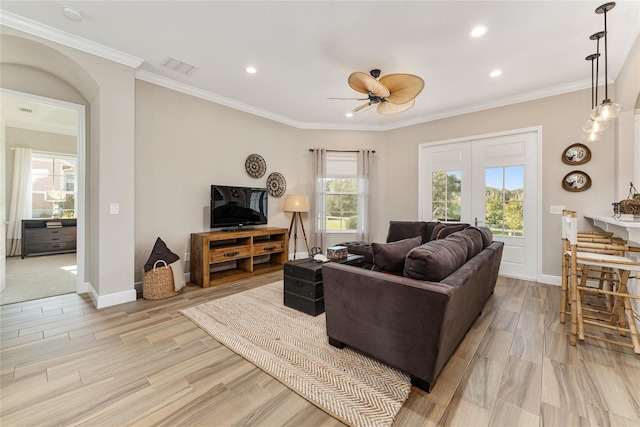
x: 389, y: 257
x: 435, y: 260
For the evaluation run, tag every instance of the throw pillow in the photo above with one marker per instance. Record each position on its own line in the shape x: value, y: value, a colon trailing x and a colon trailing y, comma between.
x: 159, y: 252
x: 389, y: 257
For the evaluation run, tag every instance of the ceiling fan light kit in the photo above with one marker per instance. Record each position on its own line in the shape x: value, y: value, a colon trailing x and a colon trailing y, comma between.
x: 600, y: 114
x: 392, y: 93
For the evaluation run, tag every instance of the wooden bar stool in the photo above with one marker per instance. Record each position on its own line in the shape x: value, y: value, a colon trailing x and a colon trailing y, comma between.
x: 603, y: 275
x: 621, y: 317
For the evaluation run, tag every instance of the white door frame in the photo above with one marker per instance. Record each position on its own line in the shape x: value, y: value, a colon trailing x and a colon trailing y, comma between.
x: 422, y: 180
x: 81, y: 283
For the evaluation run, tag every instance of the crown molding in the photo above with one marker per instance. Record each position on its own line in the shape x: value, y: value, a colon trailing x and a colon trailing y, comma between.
x: 46, y: 32
x: 169, y: 83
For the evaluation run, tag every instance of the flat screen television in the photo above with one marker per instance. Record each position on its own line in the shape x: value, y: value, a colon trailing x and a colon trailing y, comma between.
x: 238, y: 206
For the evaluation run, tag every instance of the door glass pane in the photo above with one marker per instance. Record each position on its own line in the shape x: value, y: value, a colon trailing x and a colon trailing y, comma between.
x: 445, y: 195
x: 504, y: 200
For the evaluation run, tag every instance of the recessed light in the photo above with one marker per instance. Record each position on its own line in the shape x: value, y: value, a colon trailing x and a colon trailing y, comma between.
x: 349, y: 114
x: 478, y: 31
x: 251, y: 70
x: 495, y: 73
x: 72, y: 13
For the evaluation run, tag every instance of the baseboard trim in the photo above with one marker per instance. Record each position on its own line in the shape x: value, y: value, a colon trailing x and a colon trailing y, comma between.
x: 549, y: 279
x: 103, y: 301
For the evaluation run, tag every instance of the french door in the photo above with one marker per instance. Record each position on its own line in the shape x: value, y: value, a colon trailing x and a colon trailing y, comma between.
x: 487, y: 181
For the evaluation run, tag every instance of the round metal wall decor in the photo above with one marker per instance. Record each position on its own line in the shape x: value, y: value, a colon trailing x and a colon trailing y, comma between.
x: 576, y: 181
x: 576, y: 154
x: 255, y: 166
x: 276, y: 184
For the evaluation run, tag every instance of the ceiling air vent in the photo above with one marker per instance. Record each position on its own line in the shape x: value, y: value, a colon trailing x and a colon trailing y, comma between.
x: 179, y: 66
x: 26, y: 110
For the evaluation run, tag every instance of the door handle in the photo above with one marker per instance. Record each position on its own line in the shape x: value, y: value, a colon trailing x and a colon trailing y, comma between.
x: 477, y: 222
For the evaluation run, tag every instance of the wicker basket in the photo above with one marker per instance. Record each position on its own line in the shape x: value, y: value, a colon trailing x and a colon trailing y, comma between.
x: 158, y: 283
x: 631, y: 205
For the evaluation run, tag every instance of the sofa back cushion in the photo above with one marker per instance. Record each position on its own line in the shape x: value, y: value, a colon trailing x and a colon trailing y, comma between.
x: 443, y: 229
x: 400, y: 230
x: 472, y: 238
x: 487, y: 235
x: 389, y: 257
x: 435, y: 260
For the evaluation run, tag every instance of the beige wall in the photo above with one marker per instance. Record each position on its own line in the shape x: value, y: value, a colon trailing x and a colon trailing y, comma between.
x: 108, y: 89
x: 156, y: 152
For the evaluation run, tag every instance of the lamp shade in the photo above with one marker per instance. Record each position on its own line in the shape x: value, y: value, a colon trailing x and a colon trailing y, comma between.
x: 55, y: 196
x: 606, y: 111
x: 296, y: 203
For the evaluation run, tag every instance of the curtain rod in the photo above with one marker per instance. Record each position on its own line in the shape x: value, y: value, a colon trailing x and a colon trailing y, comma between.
x: 339, y: 151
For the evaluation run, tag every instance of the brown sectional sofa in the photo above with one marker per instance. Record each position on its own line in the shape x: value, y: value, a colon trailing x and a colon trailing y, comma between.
x: 414, y: 320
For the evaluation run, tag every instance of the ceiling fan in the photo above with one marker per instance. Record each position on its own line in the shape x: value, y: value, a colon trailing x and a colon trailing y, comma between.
x: 393, y: 93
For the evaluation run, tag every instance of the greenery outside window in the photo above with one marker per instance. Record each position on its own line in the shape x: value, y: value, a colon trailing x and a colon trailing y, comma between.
x: 504, y: 200
x: 53, y: 172
x: 446, y: 195
x: 341, y: 193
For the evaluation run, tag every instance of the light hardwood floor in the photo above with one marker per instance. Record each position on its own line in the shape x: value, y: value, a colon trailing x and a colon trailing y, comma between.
x: 63, y: 362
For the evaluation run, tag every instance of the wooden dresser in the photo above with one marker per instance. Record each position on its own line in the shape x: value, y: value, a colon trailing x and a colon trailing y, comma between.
x: 38, y: 239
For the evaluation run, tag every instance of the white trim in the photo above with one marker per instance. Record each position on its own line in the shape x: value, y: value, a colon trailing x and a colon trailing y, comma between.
x: 549, y: 279
x: 53, y: 34
x: 103, y: 301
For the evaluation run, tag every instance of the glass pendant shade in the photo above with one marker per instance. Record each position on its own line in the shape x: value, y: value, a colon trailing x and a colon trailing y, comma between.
x: 595, y: 126
x: 591, y: 136
x: 606, y: 111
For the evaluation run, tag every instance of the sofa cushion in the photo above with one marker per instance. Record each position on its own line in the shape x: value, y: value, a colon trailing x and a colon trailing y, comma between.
x: 487, y: 235
x: 472, y: 237
x: 443, y: 229
x: 400, y: 230
x: 435, y: 260
x: 389, y: 257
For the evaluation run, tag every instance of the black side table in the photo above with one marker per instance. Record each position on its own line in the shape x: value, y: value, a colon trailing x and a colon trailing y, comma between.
x: 303, y: 283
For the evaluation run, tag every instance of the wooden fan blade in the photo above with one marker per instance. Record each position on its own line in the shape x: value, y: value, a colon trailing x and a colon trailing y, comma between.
x: 364, y: 83
x: 390, y: 108
x: 403, y: 87
x: 362, y: 107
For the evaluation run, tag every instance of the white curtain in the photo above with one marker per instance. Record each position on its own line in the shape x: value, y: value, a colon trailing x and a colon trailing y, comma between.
x: 363, y: 232
x: 20, y: 205
x: 318, y: 223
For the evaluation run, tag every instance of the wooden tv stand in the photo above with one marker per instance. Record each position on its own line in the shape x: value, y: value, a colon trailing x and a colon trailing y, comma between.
x: 223, y: 256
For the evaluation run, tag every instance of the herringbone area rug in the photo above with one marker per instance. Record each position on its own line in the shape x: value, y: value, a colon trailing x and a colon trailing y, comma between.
x: 293, y: 348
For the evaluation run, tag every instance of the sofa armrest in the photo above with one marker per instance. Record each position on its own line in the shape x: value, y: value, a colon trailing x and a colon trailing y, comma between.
x: 395, y: 319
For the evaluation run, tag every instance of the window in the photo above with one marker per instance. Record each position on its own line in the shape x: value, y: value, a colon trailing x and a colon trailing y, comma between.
x: 53, y: 186
x: 445, y: 195
x: 504, y: 200
x: 341, y: 197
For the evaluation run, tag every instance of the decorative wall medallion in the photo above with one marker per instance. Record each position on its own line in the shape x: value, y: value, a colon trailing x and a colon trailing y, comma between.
x: 576, y: 181
x: 576, y: 154
x: 276, y: 184
x: 255, y: 166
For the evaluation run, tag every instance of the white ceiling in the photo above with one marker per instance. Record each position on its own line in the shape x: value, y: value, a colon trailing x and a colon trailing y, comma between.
x: 305, y: 50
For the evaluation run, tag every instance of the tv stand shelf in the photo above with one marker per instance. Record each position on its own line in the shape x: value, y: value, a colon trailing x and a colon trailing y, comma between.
x: 223, y: 256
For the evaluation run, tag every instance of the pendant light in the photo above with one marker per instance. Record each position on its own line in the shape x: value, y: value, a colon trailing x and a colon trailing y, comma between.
x: 607, y: 110
x: 592, y: 126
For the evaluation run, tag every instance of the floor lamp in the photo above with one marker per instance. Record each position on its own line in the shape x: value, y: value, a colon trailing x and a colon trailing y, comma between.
x: 297, y: 203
